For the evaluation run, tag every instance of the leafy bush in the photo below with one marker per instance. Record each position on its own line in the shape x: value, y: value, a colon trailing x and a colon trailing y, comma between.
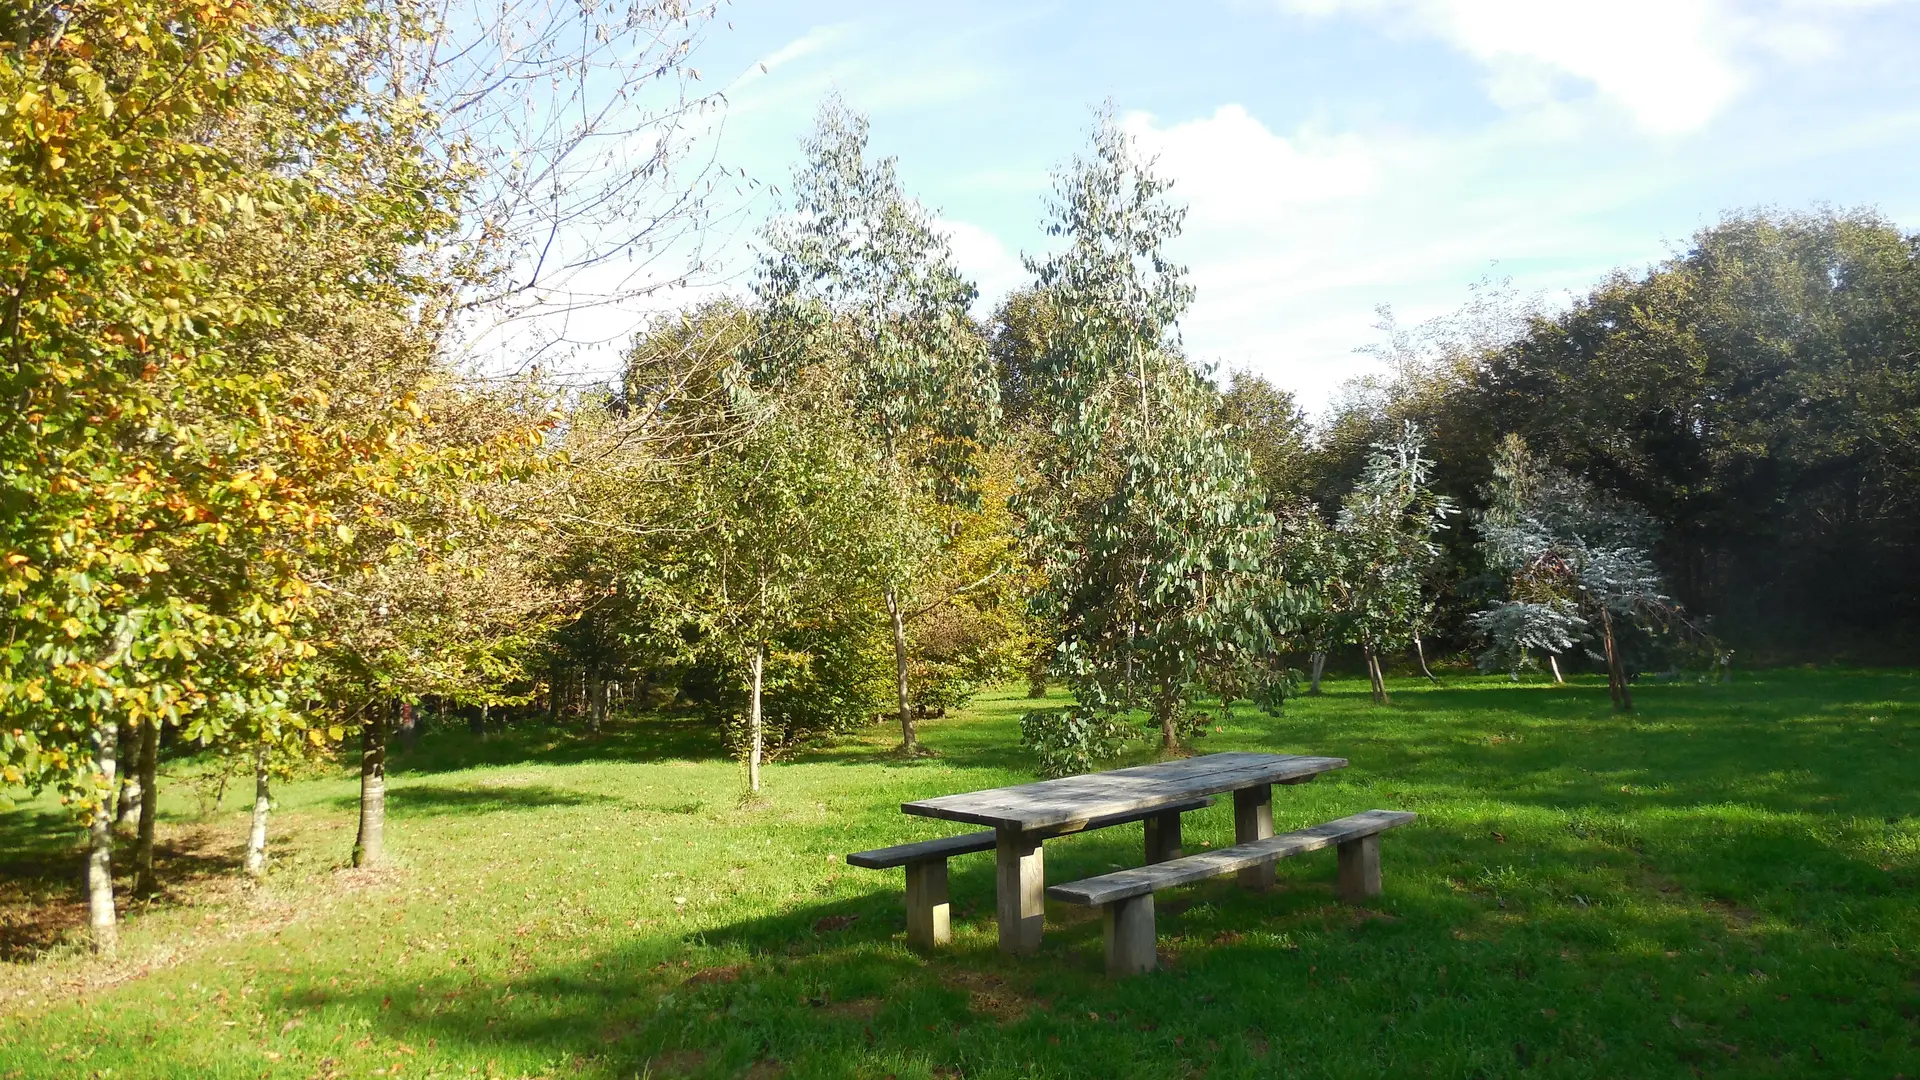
x: 1073, y: 739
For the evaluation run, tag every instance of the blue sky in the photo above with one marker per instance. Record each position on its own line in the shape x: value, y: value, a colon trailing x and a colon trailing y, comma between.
x: 1342, y: 154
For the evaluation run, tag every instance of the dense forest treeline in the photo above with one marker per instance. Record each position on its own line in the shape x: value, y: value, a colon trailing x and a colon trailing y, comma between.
x: 262, y: 505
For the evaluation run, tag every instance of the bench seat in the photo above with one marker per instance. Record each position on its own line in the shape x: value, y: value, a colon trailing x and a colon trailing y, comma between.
x: 1126, y: 896
x: 926, y: 860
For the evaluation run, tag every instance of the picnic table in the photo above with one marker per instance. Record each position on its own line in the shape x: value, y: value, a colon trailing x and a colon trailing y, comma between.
x: 1024, y: 816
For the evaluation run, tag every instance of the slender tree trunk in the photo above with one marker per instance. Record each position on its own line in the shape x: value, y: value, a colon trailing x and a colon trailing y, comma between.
x: 477, y: 721
x: 1421, y: 651
x: 597, y: 699
x: 126, y: 804
x: 1553, y: 663
x: 1168, y: 709
x: 262, y: 806
x: 370, y: 847
x: 553, y: 694
x: 1318, y: 666
x: 106, y: 935
x: 1377, y: 677
x: 144, y: 883
x: 909, y: 744
x: 1616, y: 671
x: 756, y: 732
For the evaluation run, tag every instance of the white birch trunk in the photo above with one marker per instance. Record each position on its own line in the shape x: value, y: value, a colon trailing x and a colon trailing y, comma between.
x: 1553, y: 663
x: 262, y: 806
x: 756, y: 733
x: 100, y: 909
x: 370, y: 846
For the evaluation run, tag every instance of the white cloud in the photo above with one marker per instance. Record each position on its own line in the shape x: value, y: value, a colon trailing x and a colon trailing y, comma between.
x: 993, y: 267
x: 1293, y: 240
x: 1673, y: 65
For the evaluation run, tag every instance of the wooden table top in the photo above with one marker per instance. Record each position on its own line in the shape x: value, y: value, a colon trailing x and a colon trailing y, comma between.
x: 1051, y: 803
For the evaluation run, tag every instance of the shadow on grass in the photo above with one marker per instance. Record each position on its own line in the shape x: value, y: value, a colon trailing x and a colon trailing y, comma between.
x: 623, y: 739
x: 1420, y: 982
x: 431, y: 800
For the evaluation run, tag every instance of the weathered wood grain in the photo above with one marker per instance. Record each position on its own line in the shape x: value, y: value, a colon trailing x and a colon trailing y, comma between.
x: 1122, y: 884
x: 1076, y: 801
x: 945, y: 847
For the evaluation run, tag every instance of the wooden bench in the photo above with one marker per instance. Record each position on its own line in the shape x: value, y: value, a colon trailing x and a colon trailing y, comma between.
x: 926, y: 862
x: 1126, y: 896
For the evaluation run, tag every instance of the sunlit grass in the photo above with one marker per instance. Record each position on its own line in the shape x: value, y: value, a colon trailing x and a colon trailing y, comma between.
x: 1723, y: 884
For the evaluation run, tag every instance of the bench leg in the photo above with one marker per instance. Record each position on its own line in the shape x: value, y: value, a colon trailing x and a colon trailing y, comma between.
x: 1163, y: 837
x: 1020, y: 891
x: 1359, y: 869
x: 1130, y: 936
x: 1253, y: 820
x: 927, y: 920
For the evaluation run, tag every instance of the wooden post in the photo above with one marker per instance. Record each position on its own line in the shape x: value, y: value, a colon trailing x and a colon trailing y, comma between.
x: 1020, y: 891
x: 1130, y: 936
x: 927, y: 917
x: 1163, y: 837
x: 1359, y: 869
x: 1253, y: 820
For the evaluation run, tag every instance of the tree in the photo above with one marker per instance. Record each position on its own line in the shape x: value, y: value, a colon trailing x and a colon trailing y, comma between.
x: 857, y: 279
x: 1268, y: 425
x: 774, y: 537
x: 1147, y: 525
x: 1577, y: 552
x: 1387, y: 526
x: 166, y: 479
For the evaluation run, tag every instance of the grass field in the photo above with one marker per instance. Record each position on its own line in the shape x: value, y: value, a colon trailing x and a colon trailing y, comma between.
x: 1721, y: 885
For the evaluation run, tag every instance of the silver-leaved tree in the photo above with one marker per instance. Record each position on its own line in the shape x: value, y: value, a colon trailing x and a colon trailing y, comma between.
x: 1149, y: 528
x: 855, y: 280
x: 1386, y: 531
x: 1574, y: 558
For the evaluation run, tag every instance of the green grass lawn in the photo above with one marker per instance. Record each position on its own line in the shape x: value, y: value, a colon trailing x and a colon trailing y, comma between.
x: 1722, y: 885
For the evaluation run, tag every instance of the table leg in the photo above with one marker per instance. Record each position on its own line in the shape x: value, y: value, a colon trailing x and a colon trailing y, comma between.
x: 1253, y: 820
x: 1163, y: 837
x: 1020, y: 891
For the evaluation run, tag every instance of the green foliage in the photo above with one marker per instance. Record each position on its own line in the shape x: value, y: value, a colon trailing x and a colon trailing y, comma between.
x: 1147, y: 525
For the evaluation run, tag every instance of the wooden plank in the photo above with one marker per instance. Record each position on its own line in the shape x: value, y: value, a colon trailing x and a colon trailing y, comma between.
x: 944, y: 847
x: 1129, y: 933
x: 1359, y: 870
x: 928, y: 922
x: 1163, y: 836
x: 1253, y: 821
x: 1020, y: 877
x: 1064, y: 802
x: 1124, y: 883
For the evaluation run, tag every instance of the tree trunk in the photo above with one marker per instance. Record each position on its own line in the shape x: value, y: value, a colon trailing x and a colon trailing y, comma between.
x: 409, y: 727
x: 106, y: 935
x: 553, y: 694
x: 597, y: 699
x: 1421, y: 651
x: 1376, y: 677
x: 756, y: 734
x: 369, y: 847
x: 904, y: 699
x: 477, y: 720
x: 1166, y: 711
x: 1318, y: 666
x: 126, y: 806
x: 1553, y: 663
x: 262, y: 805
x: 1616, y: 671
x: 144, y: 883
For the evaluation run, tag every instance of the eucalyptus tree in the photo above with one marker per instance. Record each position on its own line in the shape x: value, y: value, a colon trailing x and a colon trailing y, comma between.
x: 1147, y: 525
x: 1387, y: 527
x: 856, y: 279
x: 1313, y: 570
x: 1578, y: 552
